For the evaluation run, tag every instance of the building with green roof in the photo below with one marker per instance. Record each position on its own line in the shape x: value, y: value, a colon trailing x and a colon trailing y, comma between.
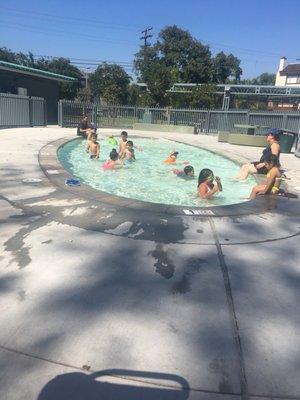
x: 33, y: 82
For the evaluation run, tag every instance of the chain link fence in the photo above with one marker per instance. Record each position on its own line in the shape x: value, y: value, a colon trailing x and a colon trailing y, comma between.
x: 204, y: 121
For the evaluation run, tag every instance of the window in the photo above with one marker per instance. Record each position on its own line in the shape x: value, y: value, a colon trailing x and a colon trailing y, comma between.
x: 292, y: 80
x: 22, y: 91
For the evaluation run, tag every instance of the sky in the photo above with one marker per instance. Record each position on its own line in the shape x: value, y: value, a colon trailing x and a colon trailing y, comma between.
x: 258, y: 32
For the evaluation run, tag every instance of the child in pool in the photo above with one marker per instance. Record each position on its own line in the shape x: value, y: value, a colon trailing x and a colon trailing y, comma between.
x: 114, y: 161
x: 92, y: 131
x: 172, y: 158
x: 93, y: 147
x: 187, y: 173
x: 272, y: 184
x: 123, y: 142
x: 128, y: 153
x: 206, y: 188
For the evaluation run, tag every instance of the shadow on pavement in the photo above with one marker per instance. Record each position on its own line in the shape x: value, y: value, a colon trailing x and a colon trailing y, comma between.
x: 79, y: 386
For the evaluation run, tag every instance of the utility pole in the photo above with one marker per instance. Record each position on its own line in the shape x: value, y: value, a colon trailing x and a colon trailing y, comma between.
x: 145, y: 36
x: 86, y: 76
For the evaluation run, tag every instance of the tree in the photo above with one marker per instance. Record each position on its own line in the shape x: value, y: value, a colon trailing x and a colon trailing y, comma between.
x: 110, y: 82
x: 188, y: 57
x: 153, y: 71
x: 134, y: 94
x: 62, y: 66
x: 203, y: 96
x: 175, y: 57
x: 84, y: 94
x: 16, y: 58
x: 266, y: 79
x: 178, y: 57
x: 226, y: 66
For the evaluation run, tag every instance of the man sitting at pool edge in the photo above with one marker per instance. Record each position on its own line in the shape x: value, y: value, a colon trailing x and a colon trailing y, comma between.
x: 83, y: 128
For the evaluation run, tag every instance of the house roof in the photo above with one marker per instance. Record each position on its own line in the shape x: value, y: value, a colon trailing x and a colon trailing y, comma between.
x: 35, y: 72
x: 291, y: 69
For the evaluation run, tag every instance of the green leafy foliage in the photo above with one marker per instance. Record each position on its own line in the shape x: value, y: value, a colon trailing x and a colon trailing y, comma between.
x: 178, y: 57
x: 17, y: 58
x: 225, y: 67
x: 84, y: 94
x: 110, y: 82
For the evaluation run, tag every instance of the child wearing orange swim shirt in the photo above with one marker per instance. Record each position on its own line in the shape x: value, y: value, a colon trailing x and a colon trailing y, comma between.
x: 172, y: 158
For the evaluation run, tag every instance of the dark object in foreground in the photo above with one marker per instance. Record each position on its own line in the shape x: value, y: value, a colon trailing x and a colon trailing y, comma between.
x: 288, y: 195
x: 72, y: 182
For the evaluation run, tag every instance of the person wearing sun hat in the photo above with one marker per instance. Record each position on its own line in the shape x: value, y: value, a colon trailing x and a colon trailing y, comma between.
x: 258, y: 167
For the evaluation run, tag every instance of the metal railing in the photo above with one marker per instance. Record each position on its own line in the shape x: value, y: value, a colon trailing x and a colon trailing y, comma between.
x: 16, y: 110
x: 205, y: 121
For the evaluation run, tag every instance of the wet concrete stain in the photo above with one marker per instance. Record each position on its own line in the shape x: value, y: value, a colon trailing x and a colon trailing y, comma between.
x: 163, y: 264
x: 183, y: 285
x: 218, y: 366
x: 172, y: 328
x: 47, y: 241
x: 16, y: 244
x: 21, y: 295
x: 170, y: 231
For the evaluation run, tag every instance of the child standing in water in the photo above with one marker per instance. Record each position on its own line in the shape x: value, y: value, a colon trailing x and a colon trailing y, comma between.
x: 114, y: 161
x: 128, y: 153
x: 123, y: 142
x: 272, y: 184
x: 93, y: 147
x: 206, y: 188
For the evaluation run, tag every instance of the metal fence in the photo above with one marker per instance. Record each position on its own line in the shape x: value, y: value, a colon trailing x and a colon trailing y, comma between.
x: 205, y: 121
x: 18, y: 110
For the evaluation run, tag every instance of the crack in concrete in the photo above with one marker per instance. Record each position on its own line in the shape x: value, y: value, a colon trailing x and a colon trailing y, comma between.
x: 233, y: 317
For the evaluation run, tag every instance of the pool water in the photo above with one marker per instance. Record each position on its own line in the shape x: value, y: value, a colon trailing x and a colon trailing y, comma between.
x: 149, y: 178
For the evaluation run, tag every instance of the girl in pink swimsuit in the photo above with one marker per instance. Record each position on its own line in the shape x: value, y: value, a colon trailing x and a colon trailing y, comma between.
x: 113, y: 161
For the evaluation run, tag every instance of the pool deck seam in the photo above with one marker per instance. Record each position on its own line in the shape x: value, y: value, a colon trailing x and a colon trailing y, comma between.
x: 232, y: 313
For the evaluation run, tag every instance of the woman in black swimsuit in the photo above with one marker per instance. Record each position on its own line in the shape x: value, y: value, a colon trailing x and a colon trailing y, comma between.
x: 258, y: 167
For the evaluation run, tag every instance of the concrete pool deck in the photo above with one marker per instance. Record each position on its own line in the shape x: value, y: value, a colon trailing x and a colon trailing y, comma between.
x: 96, y: 303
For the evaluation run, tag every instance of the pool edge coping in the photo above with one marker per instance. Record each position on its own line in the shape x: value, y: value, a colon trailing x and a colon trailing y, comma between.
x: 48, y: 160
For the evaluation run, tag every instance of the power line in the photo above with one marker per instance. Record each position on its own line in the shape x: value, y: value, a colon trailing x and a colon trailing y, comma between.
x: 113, y: 25
x: 88, y: 60
x: 35, y: 14
x: 146, y: 36
x: 65, y: 33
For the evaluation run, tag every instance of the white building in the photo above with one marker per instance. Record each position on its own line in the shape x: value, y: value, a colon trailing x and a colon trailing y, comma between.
x: 288, y: 74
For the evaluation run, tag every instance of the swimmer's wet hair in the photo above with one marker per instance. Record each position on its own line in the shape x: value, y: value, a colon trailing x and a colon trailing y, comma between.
x: 124, y: 133
x: 204, y: 174
x: 188, y: 169
x: 113, y: 155
x: 129, y: 143
x: 175, y: 153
